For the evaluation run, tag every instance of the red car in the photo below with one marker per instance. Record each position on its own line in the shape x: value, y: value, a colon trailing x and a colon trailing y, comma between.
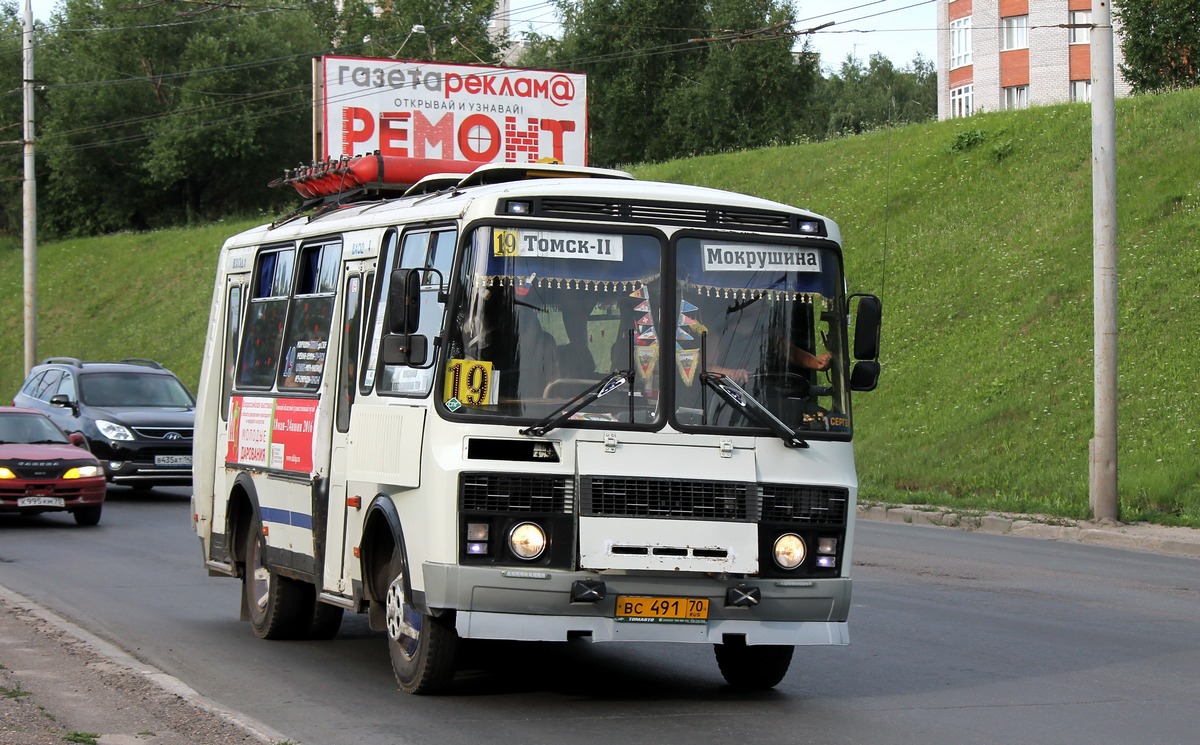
x: 43, y: 469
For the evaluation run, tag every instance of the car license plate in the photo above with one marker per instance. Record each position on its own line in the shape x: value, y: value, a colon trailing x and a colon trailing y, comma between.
x: 39, y: 501
x: 661, y: 610
x: 172, y: 460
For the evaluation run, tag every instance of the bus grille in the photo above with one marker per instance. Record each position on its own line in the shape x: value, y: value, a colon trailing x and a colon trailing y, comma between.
x: 606, y: 496
x: 795, y: 503
x: 509, y: 492
x: 667, y: 213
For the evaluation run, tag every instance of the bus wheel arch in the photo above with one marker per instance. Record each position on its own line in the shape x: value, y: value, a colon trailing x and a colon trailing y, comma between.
x: 422, y: 646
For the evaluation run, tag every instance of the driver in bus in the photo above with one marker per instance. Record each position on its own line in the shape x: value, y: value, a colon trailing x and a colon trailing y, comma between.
x: 741, y: 337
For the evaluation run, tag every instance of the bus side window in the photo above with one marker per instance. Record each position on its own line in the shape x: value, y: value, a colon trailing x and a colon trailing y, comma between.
x: 233, y: 325
x: 309, y: 317
x: 351, y: 327
x: 259, y: 356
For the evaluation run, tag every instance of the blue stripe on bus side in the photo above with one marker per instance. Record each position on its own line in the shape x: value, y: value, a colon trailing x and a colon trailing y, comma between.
x: 286, y: 517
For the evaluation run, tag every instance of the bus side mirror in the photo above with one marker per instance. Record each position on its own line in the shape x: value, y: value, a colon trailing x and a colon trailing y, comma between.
x: 404, y: 301
x: 867, y: 319
x: 864, y: 376
x: 411, y: 350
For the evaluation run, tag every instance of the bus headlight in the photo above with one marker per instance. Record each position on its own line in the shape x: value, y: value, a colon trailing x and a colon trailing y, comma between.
x: 789, y: 551
x: 527, y: 541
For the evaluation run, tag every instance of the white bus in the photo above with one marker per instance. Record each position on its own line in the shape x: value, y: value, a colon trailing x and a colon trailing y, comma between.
x: 538, y: 403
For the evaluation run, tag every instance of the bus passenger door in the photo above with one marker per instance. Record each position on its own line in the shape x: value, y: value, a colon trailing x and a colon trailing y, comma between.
x: 235, y: 301
x: 356, y: 290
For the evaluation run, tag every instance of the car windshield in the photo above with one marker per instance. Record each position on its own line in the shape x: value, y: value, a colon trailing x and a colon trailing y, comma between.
x: 134, y: 389
x: 29, y: 428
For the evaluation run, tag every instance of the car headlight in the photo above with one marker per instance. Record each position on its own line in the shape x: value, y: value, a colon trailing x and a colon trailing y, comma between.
x: 6, y: 474
x: 789, y: 551
x: 527, y: 541
x: 113, y: 431
x: 82, y: 472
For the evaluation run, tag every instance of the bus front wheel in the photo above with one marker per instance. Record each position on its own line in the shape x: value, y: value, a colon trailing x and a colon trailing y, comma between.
x: 757, y: 668
x: 422, y: 647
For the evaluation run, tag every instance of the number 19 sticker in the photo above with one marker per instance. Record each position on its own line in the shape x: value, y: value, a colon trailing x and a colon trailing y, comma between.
x: 504, y: 243
x: 469, y: 382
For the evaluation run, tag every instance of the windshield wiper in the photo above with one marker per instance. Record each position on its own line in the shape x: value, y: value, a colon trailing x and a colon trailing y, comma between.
x: 614, y: 381
x: 737, y: 397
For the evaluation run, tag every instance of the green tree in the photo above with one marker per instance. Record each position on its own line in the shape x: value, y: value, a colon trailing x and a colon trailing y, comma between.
x: 750, y: 90
x: 635, y: 52
x: 457, y: 31
x: 676, y: 77
x: 158, y: 114
x: 1160, y: 40
x: 12, y: 117
x: 858, y: 98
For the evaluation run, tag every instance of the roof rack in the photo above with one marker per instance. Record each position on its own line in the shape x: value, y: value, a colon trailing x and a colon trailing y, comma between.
x: 73, y: 362
x: 141, y: 361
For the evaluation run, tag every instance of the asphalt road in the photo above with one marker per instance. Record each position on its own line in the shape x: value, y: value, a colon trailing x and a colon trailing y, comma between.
x: 956, y: 638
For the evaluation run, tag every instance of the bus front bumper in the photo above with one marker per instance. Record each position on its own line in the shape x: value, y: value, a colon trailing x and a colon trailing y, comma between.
x: 537, y: 605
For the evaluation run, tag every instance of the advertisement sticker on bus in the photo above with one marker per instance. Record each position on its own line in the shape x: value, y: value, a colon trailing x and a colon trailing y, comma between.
x: 453, y: 113
x: 275, y: 433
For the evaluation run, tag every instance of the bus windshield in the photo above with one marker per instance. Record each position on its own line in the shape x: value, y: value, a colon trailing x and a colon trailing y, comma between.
x: 766, y: 317
x: 544, y: 315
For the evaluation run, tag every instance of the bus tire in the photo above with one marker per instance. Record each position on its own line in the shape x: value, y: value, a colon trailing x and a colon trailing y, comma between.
x: 422, y: 647
x: 756, y: 668
x: 326, y: 620
x: 275, y: 603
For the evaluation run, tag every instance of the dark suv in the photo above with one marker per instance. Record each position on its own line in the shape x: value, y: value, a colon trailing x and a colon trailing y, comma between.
x: 136, y: 415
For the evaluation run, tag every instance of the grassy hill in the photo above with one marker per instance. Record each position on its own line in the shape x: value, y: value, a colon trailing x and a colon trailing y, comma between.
x: 977, y: 235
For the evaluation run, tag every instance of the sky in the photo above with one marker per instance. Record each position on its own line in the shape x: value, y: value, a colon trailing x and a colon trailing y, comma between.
x: 900, y: 29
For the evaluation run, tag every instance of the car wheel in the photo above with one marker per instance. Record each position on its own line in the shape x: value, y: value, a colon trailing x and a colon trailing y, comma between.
x: 755, y: 668
x: 275, y: 603
x: 422, y: 647
x: 88, y: 515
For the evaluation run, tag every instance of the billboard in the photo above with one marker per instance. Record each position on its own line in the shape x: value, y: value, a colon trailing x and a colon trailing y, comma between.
x: 460, y: 115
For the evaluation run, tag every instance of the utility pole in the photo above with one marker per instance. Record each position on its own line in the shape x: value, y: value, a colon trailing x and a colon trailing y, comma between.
x: 29, y: 196
x: 1102, y: 468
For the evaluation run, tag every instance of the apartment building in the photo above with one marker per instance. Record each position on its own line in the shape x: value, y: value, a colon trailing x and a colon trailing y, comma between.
x: 1011, y: 54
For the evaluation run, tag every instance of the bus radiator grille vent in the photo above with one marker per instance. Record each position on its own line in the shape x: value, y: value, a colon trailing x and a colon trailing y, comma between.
x: 508, y: 492
x: 667, y: 213
x: 604, y: 496
x: 796, y: 503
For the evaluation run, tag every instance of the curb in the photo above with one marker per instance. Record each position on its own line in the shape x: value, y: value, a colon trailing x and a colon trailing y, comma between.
x: 1140, y: 536
x: 122, y: 659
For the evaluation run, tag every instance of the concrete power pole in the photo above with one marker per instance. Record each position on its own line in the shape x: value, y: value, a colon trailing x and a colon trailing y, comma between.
x: 1102, y: 468
x: 29, y: 196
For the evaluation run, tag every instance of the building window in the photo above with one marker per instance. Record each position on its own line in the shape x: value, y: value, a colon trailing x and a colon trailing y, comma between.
x: 1081, y: 90
x: 1014, y: 33
x: 960, y: 42
x: 962, y: 101
x: 1078, y: 18
x: 1016, y: 97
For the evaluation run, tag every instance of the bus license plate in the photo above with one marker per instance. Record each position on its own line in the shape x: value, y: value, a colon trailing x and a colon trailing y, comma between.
x: 661, y: 610
x: 172, y: 460
x: 39, y: 501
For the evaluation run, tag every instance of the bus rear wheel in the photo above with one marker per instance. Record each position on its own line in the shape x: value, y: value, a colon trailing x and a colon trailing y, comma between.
x: 275, y: 604
x: 757, y: 668
x: 422, y: 647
